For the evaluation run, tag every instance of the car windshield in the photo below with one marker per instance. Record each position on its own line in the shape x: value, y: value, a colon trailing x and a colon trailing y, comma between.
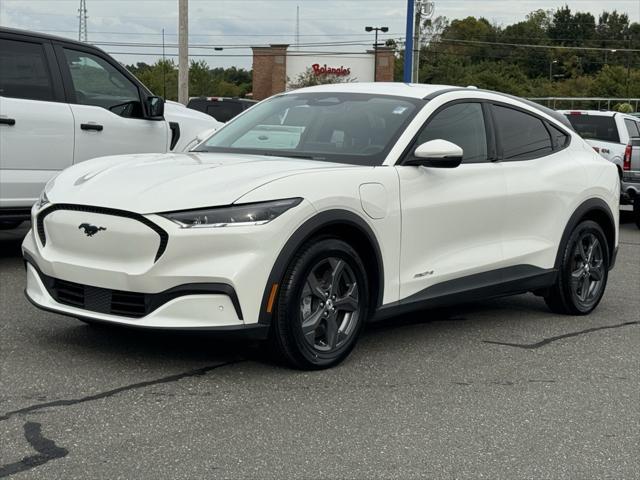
x: 352, y: 128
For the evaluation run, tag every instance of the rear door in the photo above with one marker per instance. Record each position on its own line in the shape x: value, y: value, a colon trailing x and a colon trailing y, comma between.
x: 542, y: 182
x: 36, y: 125
x: 107, y: 107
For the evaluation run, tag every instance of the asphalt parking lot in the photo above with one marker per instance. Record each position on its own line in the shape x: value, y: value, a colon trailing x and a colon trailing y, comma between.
x: 499, y: 389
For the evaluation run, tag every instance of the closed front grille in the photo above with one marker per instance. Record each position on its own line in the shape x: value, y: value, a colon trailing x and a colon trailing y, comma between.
x: 42, y: 234
x: 101, y: 300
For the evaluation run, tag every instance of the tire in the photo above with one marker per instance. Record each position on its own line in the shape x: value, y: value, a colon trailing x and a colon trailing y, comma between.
x: 583, y: 273
x: 317, y: 321
x: 636, y: 211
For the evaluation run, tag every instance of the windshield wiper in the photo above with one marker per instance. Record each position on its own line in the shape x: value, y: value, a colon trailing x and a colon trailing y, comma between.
x: 290, y: 155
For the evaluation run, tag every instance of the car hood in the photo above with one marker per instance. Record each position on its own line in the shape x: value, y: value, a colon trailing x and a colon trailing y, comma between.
x: 151, y: 183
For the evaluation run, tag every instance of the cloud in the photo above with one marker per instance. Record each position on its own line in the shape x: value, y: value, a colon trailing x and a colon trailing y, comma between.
x: 251, y: 22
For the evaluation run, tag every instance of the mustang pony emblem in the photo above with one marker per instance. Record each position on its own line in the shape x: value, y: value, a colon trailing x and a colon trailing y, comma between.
x: 90, y: 230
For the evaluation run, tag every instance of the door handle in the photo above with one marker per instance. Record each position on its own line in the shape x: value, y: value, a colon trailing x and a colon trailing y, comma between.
x: 91, y: 126
x: 8, y: 121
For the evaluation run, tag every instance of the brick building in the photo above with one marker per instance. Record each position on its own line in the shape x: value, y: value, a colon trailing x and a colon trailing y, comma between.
x: 275, y: 67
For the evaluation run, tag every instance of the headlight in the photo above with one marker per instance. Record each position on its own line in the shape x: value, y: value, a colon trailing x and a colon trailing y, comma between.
x: 232, y: 215
x: 42, y: 200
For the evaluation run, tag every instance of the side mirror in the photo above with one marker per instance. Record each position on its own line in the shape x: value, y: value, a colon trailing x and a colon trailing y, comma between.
x: 436, y: 154
x: 154, y: 108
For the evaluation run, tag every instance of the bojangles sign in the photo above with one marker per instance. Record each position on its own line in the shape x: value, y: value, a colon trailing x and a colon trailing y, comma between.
x: 324, y: 70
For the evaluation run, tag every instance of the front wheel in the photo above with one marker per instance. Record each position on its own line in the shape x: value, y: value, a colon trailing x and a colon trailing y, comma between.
x: 322, y: 305
x: 583, y: 272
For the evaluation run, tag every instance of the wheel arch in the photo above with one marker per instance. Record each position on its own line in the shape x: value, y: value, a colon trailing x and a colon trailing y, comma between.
x: 597, y: 210
x: 338, y: 223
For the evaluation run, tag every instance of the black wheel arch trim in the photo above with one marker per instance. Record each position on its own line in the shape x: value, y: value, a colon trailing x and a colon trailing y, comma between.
x: 588, y: 206
x: 312, y: 226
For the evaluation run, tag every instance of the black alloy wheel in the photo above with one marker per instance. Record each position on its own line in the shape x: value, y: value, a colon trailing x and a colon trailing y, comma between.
x: 322, y: 305
x: 583, y: 274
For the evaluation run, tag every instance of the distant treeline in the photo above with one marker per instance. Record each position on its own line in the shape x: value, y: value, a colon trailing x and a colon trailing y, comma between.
x: 586, y: 59
x: 474, y: 51
x: 162, y: 79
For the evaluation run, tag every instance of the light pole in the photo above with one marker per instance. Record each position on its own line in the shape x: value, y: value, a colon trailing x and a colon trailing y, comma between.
x: 628, y: 38
x: 551, y: 69
x: 375, y: 47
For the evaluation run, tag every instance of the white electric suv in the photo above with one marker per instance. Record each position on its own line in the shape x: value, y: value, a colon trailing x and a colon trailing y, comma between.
x: 322, y: 208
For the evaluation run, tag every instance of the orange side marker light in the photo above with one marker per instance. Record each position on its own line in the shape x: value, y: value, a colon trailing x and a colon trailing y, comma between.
x: 272, y: 297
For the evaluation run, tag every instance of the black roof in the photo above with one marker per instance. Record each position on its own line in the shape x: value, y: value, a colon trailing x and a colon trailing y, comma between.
x: 46, y: 36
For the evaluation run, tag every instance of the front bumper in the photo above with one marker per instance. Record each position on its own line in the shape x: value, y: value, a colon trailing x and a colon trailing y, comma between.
x: 205, y: 279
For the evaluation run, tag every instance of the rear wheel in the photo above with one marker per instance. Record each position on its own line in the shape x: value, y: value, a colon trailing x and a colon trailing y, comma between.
x: 636, y: 210
x: 322, y: 305
x: 583, y: 272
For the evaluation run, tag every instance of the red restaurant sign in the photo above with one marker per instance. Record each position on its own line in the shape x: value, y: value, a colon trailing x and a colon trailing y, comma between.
x: 324, y: 70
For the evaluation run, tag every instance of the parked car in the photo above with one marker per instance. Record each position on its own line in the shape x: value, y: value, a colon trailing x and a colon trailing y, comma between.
x: 322, y: 208
x: 222, y: 109
x: 611, y: 134
x: 63, y: 102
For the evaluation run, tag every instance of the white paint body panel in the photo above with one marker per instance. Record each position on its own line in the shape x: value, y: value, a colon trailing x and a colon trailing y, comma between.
x: 453, y: 222
x: 47, y: 138
x: 34, y: 149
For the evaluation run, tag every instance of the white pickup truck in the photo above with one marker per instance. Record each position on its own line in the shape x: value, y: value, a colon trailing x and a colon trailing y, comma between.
x: 611, y: 134
x: 63, y: 102
x: 616, y: 137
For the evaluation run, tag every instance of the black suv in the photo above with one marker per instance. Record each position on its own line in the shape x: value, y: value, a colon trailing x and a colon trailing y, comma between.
x: 222, y: 109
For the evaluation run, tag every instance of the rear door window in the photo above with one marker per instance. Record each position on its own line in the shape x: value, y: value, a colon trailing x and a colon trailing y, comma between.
x: 522, y: 136
x: 595, y: 127
x: 24, y: 72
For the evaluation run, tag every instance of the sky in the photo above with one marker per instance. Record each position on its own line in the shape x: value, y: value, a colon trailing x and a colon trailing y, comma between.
x: 234, y: 25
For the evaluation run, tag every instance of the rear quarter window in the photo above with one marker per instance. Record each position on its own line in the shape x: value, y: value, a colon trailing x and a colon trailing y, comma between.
x: 632, y: 128
x: 595, y: 127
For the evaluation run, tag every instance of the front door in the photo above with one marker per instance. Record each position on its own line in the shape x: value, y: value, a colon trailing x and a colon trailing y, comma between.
x: 451, y: 218
x: 107, y: 109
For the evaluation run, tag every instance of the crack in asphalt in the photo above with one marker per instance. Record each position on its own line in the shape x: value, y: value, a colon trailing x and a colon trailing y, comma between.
x: 110, y: 393
x: 547, y: 341
x: 47, y: 451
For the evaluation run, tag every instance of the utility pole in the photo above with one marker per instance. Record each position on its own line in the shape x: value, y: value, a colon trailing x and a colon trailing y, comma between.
x: 164, y: 68
x: 416, y: 43
x: 297, y: 27
x: 424, y: 9
x: 408, y: 44
x: 82, y: 23
x: 183, y: 51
